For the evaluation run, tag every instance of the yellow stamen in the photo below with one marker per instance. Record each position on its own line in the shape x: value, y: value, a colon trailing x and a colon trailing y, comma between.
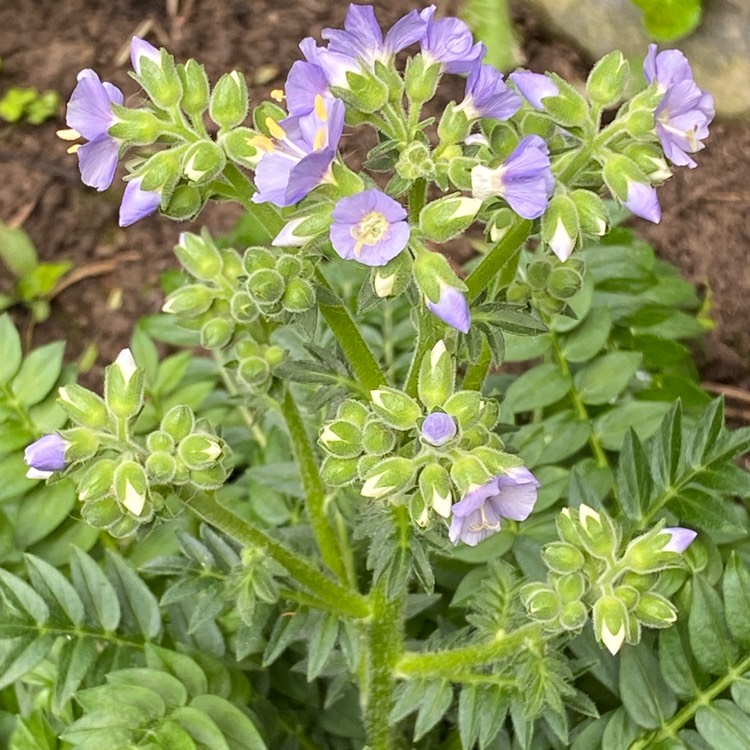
x: 320, y: 108
x: 263, y: 142
x: 74, y: 148
x: 320, y: 139
x: 68, y: 135
x: 278, y: 95
x: 275, y: 129
x: 358, y: 248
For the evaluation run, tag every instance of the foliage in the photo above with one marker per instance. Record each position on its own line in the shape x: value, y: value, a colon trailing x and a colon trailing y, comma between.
x: 670, y: 20
x: 29, y: 105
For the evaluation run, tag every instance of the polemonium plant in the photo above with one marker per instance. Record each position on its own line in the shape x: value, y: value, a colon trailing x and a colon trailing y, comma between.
x: 346, y: 485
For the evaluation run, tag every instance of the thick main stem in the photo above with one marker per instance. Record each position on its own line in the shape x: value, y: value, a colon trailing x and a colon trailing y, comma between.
x: 338, y: 598
x: 315, y: 498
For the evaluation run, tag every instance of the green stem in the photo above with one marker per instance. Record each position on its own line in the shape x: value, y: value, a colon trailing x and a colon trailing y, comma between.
x: 350, y: 340
x: 338, y: 598
x: 426, y: 339
x: 383, y: 646
x: 686, y: 713
x: 417, y: 198
x: 447, y: 664
x: 477, y: 372
x: 315, y: 498
x: 501, y: 255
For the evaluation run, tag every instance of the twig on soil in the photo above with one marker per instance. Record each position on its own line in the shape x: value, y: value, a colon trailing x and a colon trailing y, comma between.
x: 730, y: 391
x: 99, y: 268
x: 23, y: 213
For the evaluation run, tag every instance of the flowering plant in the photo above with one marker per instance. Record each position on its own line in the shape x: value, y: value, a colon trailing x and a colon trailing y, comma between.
x: 419, y: 476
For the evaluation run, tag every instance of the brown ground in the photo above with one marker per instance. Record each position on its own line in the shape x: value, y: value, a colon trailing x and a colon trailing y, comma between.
x: 44, y: 43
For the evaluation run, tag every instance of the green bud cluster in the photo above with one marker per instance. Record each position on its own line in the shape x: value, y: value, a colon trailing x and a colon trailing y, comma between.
x: 590, y: 577
x: 256, y: 363
x: 380, y: 447
x: 126, y: 479
x: 548, y: 283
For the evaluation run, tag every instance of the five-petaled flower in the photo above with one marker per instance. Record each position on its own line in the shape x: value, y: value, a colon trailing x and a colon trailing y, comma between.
x: 488, y: 96
x: 524, y: 179
x: 449, y: 41
x: 511, y: 495
x: 45, y: 456
x: 369, y: 227
x: 299, y: 156
x: 684, y: 112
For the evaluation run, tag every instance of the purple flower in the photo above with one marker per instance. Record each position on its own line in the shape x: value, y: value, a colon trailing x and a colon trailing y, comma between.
x: 679, y: 539
x: 334, y: 66
x: 90, y: 115
x: 643, y: 201
x: 299, y: 157
x: 534, y: 86
x: 438, y: 428
x: 524, y: 180
x: 488, y: 96
x: 136, y: 203
x: 45, y: 456
x: 369, y: 227
x: 684, y: 112
x: 140, y: 48
x: 449, y: 41
x: 362, y: 39
x: 451, y: 307
x: 511, y: 495
x: 304, y: 83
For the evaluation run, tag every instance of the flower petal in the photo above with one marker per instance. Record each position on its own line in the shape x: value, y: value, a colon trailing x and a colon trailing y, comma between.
x: 97, y: 162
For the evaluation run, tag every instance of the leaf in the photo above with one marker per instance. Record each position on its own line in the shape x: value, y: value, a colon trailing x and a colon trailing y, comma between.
x: 239, y: 732
x: 17, y: 250
x: 701, y: 510
x: 603, y: 379
x: 706, y: 432
x: 200, y: 727
x: 286, y: 630
x: 24, y: 598
x: 32, y: 650
x: 644, y: 693
x: 736, y: 583
x: 670, y: 20
x: 634, y: 481
x: 321, y: 642
x: 678, y: 665
x: 589, y: 338
x: 56, y: 589
x: 38, y: 373
x: 436, y: 700
x: 491, y: 23
x: 73, y: 663
x: 139, y: 608
x: 538, y: 387
x: 666, y: 449
x: 10, y: 349
x: 42, y: 511
x: 642, y: 416
x: 169, y: 688
x: 179, y: 665
x: 710, y: 640
x: 96, y: 591
x: 723, y: 725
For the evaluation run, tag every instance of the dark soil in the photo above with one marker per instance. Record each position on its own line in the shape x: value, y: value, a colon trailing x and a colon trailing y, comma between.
x: 44, y: 43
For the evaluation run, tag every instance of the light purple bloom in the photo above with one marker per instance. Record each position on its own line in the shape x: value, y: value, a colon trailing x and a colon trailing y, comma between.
x: 524, y: 180
x: 449, y: 41
x: 136, y: 203
x: 45, y: 456
x: 488, y: 96
x: 643, y: 201
x: 369, y: 227
x: 140, y: 48
x: 90, y: 115
x: 452, y: 308
x: 685, y: 111
x: 334, y: 66
x: 305, y: 81
x: 679, y: 539
x: 300, y: 156
x: 438, y: 428
x: 511, y: 495
x: 362, y: 39
x: 535, y: 87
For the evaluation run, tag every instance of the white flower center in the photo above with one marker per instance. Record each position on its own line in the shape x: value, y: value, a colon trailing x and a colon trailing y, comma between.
x: 370, y: 230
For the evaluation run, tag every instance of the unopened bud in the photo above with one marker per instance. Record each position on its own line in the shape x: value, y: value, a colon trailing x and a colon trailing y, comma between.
x: 200, y: 450
x: 123, y: 386
x: 84, y: 407
x: 229, y: 101
x: 610, y: 623
x: 445, y: 218
x: 178, y: 422
x: 560, y: 226
x: 130, y: 485
x: 435, y: 486
x: 338, y: 472
x: 389, y: 476
x: 194, y: 87
x: 160, y: 80
x: 562, y: 557
x: 377, y: 438
x: 189, y: 300
x: 204, y: 160
x: 608, y: 79
x: 341, y: 439
x: 396, y: 408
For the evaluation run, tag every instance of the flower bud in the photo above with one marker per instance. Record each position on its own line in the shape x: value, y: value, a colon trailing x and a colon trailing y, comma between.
x: 389, y: 476
x: 560, y: 226
x: 185, y: 203
x: 216, y: 333
x: 597, y: 533
x: 84, y: 407
x: 266, y: 286
x: 608, y: 79
x: 102, y: 512
x: 353, y: 411
x: 200, y: 450
x: 161, y: 467
x: 136, y: 127
x: 189, y: 300
x: 657, y: 549
x: 593, y: 215
x: 393, y: 278
x: 573, y: 616
x: 395, y: 408
x: 178, y: 422
x: 194, y: 87
x: 341, y: 439
x: 254, y: 371
x: 203, y: 161
x: 81, y: 444
x: 571, y: 586
x: 377, y: 438
x: 568, y: 107
x: 123, y: 386
x: 610, y: 622
x: 654, y: 611
x: 435, y: 486
x: 130, y: 485
x: 158, y: 440
x: 446, y: 218
x: 338, y: 472
x: 211, y: 478
x: 564, y: 283
x: 364, y: 92
x: 97, y: 481
x: 465, y: 406
x: 421, y: 78
x: 415, y: 161
x: 299, y: 296
x: 238, y: 145
x: 542, y: 603
x: 442, y: 289
x: 243, y: 308
x: 160, y: 80
x: 161, y: 172
x: 454, y: 125
x: 229, y: 101
x: 467, y: 472
x: 436, y: 377
x: 199, y: 256
x: 562, y: 557
x: 46, y: 456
